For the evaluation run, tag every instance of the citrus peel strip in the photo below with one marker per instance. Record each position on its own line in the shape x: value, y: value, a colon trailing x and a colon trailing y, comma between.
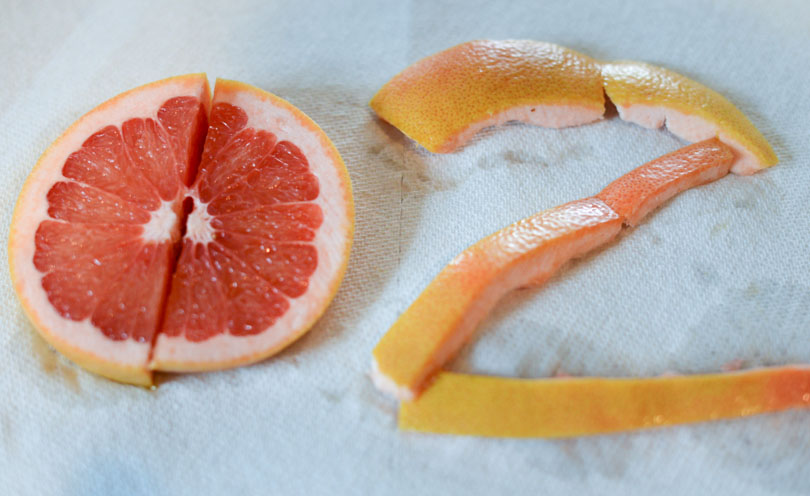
x: 479, y: 405
x: 653, y: 96
x: 442, y: 100
x: 445, y: 315
x: 647, y: 187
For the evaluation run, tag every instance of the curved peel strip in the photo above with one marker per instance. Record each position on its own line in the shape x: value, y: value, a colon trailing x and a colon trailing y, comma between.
x: 563, y: 407
x: 445, y: 315
x: 652, y: 96
x: 645, y: 188
x: 443, y: 100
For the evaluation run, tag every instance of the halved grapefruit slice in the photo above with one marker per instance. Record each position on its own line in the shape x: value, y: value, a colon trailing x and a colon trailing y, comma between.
x: 93, y: 233
x: 444, y: 316
x: 563, y: 407
x: 98, y: 225
x: 267, y: 241
x: 443, y: 100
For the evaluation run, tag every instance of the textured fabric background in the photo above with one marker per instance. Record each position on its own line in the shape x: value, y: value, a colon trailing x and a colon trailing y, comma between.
x: 721, y: 273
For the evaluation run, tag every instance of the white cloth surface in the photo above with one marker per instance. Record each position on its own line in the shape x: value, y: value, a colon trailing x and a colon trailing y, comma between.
x: 721, y: 273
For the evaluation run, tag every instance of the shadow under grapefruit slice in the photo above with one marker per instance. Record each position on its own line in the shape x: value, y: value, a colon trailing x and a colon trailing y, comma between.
x: 444, y: 316
x: 98, y: 227
x: 441, y: 101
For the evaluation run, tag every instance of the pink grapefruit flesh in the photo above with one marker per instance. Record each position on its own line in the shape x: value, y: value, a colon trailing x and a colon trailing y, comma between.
x: 267, y: 240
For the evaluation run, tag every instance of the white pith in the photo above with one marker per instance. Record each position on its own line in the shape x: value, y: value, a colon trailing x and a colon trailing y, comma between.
x: 386, y: 385
x: 162, y: 225
x: 553, y: 116
x: 178, y: 353
x: 198, y: 223
x: 691, y: 128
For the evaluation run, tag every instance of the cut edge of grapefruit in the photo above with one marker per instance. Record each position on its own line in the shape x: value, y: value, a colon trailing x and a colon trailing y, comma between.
x: 132, y: 361
x: 32, y: 206
x: 268, y: 111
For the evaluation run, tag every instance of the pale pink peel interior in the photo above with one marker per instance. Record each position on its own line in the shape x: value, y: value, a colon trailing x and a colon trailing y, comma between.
x: 690, y: 128
x: 552, y: 116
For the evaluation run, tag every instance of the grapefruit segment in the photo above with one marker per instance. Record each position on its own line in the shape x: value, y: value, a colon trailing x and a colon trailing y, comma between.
x: 445, y: 99
x: 563, y: 407
x: 443, y: 318
x: 652, y: 96
x: 92, y: 236
x: 647, y: 187
x: 267, y: 240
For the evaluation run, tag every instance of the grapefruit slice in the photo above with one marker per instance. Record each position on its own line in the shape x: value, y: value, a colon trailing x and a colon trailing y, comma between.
x: 97, y: 227
x: 505, y: 407
x: 652, y: 96
x: 267, y: 241
x: 445, y: 315
x: 444, y: 100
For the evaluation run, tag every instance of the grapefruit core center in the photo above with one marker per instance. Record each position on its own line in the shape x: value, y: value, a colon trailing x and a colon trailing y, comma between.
x: 162, y: 224
x: 198, y: 223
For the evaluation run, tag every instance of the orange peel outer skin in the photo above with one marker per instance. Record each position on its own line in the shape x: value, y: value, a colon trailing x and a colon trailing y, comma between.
x: 563, y: 407
x: 629, y: 83
x: 437, y: 98
x: 645, y: 188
